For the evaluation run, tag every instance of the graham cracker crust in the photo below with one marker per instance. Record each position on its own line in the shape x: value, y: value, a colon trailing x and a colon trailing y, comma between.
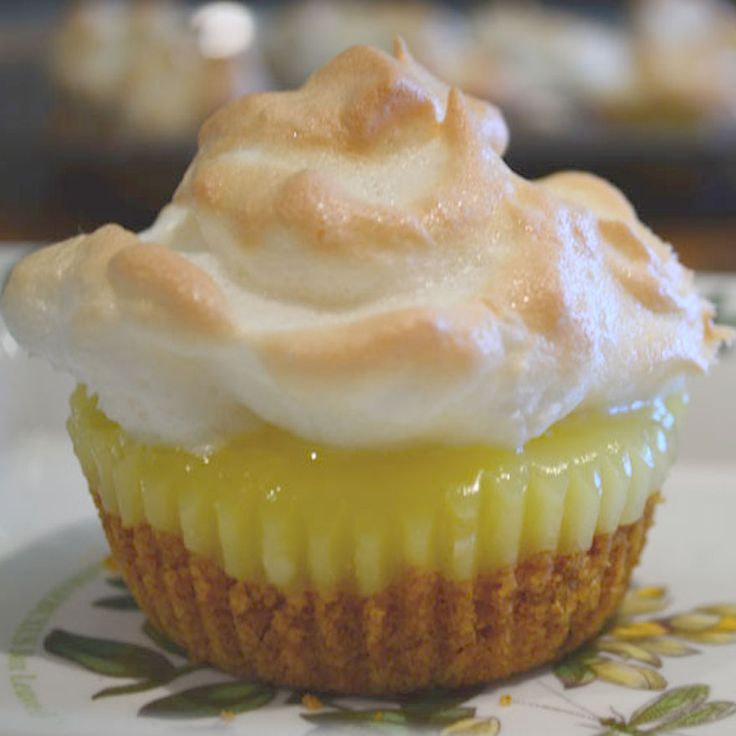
x: 422, y: 631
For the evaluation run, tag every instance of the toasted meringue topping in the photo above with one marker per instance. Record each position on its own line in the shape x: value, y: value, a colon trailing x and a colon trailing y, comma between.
x: 354, y: 262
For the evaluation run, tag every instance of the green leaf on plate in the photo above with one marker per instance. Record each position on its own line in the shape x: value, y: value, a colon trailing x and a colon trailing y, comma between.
x: 708, y: 713
x: 445, y: 717
x: 642, y: 600
x: 574, y: 672
x: 426, y: 701
x: 387, y: 716
x: 628, y: 675
x: 628, y: 650
x: 474, y: 727
x: 693, y: 622
x: 670, y: 704
x: 667, y: 647
x: 721, y: 609
x: 117, y: 583
x: 108, y: 657
x: 135, y: 687
x: 713, y: 636
x: 117, y: 602
x: 142, y: 685
x: 211, y: 700
x: 393, y: 716
x: 163, y: 641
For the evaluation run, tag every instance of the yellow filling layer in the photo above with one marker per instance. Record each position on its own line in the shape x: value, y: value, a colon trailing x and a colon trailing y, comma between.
x: 270, y: 506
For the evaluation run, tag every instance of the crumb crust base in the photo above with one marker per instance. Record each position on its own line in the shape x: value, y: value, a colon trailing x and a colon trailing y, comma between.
x: 422, y: 631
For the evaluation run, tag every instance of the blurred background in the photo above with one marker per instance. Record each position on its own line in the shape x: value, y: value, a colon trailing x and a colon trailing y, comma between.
x: 102, y: 99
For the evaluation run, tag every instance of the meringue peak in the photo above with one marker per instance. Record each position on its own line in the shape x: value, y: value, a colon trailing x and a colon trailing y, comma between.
x: 358, y: 102
x: 355, y: 262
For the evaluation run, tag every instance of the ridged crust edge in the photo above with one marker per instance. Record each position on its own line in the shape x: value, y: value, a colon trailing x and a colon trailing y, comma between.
x: 422, y: 631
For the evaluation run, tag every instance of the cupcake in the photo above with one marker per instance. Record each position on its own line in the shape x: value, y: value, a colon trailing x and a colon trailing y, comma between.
x: 550, y: 68
x: 364, y: 411
x: 685, y: 56
x: 148, y: 70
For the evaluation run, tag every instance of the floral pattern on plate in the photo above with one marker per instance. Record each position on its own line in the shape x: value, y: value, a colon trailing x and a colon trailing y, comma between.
x: 632, y: 652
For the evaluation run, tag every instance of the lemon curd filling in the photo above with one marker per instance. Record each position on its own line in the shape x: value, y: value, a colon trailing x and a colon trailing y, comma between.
x: 272, y: 507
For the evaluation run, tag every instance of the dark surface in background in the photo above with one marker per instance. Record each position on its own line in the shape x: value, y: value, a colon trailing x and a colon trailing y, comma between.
x: 48, y: 192
x: 693, y: 176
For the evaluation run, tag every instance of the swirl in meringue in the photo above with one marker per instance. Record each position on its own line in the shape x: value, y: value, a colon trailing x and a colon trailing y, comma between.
x: 355, y: 263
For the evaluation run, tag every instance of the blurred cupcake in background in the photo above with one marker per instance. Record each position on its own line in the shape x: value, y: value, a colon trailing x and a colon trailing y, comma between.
x: 544, y: 66
x: 302, y: 36
x: 134, y: 81
x: 685, y: 57
x: 151, y: 70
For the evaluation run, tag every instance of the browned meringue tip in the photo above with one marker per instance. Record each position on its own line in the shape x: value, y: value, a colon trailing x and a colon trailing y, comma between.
x: 117, y: 277
x: 401, y: 49
x: 720, y: 334
x: 156, y: 284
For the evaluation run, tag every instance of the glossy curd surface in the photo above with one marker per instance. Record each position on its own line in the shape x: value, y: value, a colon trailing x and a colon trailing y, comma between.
x: 269, y: 506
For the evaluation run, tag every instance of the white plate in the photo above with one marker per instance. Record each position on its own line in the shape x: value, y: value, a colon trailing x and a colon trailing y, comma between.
x: 51, y: 549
